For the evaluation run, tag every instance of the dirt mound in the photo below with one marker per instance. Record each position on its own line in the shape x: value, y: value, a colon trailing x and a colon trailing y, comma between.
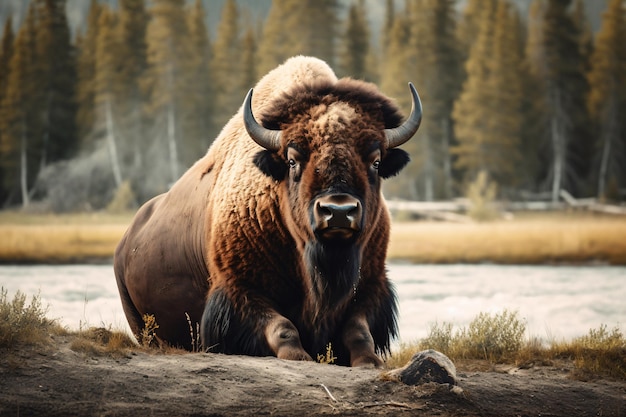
x: 57, y: 381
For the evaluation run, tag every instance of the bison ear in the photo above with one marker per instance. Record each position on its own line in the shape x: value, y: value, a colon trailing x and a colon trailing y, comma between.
x: 271, y: 165
x: 393, y: 162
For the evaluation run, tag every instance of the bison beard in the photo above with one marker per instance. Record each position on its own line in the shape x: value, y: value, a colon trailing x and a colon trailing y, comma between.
x: 334, y: 271
x: 275, y: 241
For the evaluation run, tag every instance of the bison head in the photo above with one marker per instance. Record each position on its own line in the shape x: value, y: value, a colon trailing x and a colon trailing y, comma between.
x: 330, y: 145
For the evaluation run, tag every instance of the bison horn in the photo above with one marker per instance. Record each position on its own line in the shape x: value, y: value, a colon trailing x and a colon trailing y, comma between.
x: 269, y: 139
x: 401, y: 134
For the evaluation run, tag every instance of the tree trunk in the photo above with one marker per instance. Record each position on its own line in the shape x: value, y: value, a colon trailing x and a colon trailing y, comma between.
x: 136, y: 130
x: 608, y: 134
x: 115, y: 165
x: 171, y: 140
x: 559, y: 142
x: 171, y: 127
x: 447, y: 163
x: 24, y: 166
x: 46, y: 134
x: 428, y: 170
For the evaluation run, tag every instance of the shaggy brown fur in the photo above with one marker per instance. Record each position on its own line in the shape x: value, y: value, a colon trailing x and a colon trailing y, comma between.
x: 233, y: 244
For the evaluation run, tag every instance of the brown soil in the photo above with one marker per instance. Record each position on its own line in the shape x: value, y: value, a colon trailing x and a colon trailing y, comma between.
x: 56, y: 381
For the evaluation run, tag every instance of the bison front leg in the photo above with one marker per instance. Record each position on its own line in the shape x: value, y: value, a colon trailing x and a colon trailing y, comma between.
x: 359, y: 342
x: 284, y: 340
x: 246, y: 324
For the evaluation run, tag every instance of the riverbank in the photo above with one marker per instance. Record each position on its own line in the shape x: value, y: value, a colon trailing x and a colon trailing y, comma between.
x: 568, y: 237
x: 59, y: 379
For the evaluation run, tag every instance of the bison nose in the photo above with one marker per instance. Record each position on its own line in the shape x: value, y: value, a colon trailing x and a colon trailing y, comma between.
x: 337, y: 215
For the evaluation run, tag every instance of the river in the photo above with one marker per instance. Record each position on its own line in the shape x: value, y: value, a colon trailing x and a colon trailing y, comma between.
x: 556, y: 302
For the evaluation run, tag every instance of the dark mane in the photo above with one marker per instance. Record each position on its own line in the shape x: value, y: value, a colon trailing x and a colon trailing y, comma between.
x: 361, y: 94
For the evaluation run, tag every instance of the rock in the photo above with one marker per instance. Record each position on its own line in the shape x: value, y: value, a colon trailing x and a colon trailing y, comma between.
x: 425, y: 367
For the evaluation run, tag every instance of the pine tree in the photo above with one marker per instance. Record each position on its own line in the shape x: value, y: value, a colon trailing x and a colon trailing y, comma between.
x: 566, y: 90
x: 385, y: 39
x: 131, y: 33
x: 19, y: 141
x: 472, y: 109
x: 200, y: 127
x: 167, y: 87
x: 6, y: 52
x: 469, y: 26
x: 607, y: 98
x: 579, y: 16
x: 535, y: 38
x: 226, y: 68
x: 536, y: 130
x: 395, y: 68
x: 435, y: 60
x: 505, y: 86
x: 489, y: 112
x: 249, y: 53
x: 106, y: 86
x: 56, y: 73
x: 276, y: 43
x: 393, y: 77
x: 306, y: 27
x: 86, y: 63
x: 318, y: 24
x: 353, y: 59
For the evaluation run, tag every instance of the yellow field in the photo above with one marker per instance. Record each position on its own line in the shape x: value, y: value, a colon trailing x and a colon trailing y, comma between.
x: 59, y: 238
x: 527, y: 239
x: 545, y: 238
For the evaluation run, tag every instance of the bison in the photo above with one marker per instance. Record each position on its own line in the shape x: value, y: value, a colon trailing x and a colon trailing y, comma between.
x: 275, y: 241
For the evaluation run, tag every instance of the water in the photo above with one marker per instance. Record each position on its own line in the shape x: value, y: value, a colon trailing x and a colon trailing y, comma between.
x: 557, y: 302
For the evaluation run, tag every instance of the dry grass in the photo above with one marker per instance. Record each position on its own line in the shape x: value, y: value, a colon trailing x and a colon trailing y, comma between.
x: 492, y: 338
x: 24, y: 323
x: 500, y: 339
x: 527, y: 239
x: 599, y: 352
x: 535, y: 239
x: 327, y: 358
x: 99, y: 341
x: 59, y: 238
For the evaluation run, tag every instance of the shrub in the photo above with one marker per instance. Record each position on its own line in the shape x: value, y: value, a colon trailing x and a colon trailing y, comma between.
x: 148, y: 333
x: 599, y: 352
x: 124, y: 199
x: 495, y: 338
x: 482, y: 194
x: 439, y: 338
x: 21, y: 322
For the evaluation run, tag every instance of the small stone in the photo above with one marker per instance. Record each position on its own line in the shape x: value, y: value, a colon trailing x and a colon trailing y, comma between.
x: 425, y: 367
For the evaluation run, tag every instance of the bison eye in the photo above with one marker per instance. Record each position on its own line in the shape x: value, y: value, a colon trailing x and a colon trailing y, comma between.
x: 292, y: 163
x: 376, y: 164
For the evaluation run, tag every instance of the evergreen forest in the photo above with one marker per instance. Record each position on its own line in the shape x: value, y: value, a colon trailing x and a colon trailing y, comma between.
x: 125, y: 103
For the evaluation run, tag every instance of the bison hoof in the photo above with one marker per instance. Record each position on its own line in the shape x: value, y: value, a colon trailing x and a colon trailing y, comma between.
x: 367, y: 361
x: 293, y: 354
x: 426, y: 366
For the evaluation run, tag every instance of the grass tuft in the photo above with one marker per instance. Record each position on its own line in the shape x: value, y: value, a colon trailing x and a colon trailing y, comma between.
x: 328, y: 357
x: 99, y: 341
x: 23, y: 323
x: 494, y: 338
x: 499, y: 338
x: 147, y: 337
x: 600, y: 352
